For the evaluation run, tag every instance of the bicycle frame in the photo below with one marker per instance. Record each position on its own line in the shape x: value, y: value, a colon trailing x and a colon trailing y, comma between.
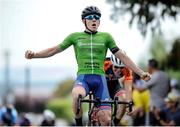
x: 91, y: 101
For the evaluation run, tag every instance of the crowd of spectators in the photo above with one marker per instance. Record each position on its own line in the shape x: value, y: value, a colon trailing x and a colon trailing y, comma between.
x: 10, y: 117
x: 156, y: 101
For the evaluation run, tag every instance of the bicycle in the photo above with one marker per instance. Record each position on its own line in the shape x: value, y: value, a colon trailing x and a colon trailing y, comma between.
x: 92, y: 119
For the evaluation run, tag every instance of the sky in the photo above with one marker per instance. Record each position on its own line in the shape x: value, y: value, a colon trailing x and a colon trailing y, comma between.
x: 39, y: 24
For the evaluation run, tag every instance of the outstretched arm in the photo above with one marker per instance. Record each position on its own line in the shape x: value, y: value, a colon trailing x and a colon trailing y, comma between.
x: 44, y: 53
x: 130, y: 64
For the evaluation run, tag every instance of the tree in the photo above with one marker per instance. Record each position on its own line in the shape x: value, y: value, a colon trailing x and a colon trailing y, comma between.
x: 64, y: 88
x: 159, y: 52
x: 148, y: 13
x: 174, y: 56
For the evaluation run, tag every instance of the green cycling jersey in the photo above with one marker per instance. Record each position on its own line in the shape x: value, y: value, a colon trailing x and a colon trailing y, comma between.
x: 90, y: 50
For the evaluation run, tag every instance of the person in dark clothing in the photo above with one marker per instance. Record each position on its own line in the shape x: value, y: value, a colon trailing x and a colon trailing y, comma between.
x: 170, y: 115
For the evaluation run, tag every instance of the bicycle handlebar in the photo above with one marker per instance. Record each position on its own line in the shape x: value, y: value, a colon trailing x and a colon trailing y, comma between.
x: 97, y: 101
x: 103, y: 101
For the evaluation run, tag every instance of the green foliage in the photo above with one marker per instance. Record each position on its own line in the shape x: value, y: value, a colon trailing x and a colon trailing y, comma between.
x: 62, y: 107
x: 170, y: 62
x: 174, y: 56
x: 146, y: 12
x: 61, y: 104
x: 158, y: 51
x: 174, y: 74
x: 64, y: 88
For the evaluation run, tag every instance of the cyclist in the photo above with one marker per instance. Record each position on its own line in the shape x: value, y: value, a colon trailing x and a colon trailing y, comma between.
x: 90, y: 48
x: 119, y: 82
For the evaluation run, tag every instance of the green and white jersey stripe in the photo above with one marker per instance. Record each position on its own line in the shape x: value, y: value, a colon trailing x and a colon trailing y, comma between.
x: 92, y: 55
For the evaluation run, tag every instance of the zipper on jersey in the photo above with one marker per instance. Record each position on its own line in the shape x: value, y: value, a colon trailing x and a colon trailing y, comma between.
x: 92, y: 56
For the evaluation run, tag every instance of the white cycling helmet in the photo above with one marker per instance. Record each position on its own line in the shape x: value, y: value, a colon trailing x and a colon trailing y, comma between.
x: 49, y: 115
x: 116, y: 62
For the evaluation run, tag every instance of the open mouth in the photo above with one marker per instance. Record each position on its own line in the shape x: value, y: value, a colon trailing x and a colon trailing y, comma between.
x: 94, y: 24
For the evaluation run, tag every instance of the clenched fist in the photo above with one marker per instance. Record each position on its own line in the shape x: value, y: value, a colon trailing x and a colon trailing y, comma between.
x: 29, y: 54
x: 145, y: 76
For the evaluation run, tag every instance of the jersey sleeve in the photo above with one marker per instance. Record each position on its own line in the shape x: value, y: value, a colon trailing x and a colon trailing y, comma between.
x: 68, y: 41
x: 111, y: 44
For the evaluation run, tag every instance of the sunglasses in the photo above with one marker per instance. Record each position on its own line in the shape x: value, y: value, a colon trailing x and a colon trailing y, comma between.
x: 91, y: 17
x: 117, y: 67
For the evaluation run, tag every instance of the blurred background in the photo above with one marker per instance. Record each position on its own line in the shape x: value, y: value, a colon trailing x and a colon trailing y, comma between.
x: 144, y: 31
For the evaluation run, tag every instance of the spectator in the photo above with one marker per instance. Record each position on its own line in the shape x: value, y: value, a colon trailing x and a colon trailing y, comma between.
x: 170, y: 115
x: 141, y: 101
x: 158, y: 86
x: 8, y: 115
x: 174, y: 86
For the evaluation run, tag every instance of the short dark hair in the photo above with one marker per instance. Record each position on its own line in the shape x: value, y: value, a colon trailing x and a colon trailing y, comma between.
x: 153, y: 63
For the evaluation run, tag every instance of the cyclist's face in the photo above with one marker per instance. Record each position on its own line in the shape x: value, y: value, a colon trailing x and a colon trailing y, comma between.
x: 92, y: 22
x: 116, y: 70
